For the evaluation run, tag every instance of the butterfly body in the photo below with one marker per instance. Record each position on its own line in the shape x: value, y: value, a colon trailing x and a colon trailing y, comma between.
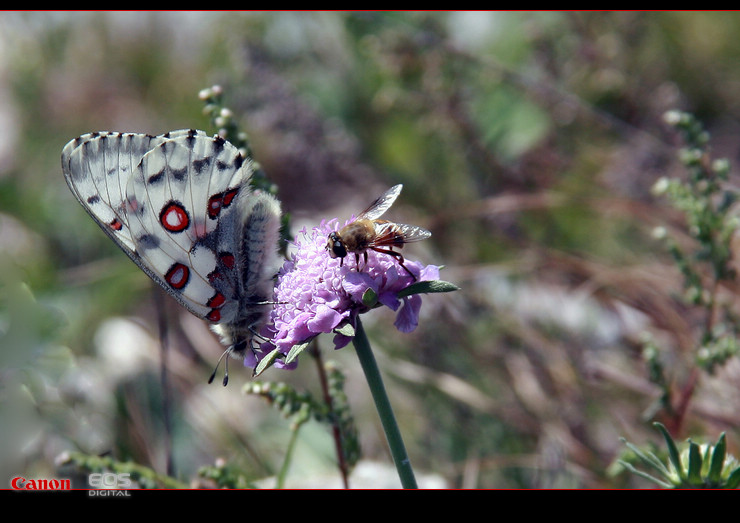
x: 181, y: 207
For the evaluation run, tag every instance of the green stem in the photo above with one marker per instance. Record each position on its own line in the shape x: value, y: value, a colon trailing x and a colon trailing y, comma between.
x: 383, y: 405
x: 280, y: 483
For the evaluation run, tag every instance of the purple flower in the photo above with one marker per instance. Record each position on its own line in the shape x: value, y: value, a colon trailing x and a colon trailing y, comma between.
x: 314, y: 295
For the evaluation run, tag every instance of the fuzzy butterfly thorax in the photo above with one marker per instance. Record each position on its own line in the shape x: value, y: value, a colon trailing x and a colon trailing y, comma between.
x: 180, y: 205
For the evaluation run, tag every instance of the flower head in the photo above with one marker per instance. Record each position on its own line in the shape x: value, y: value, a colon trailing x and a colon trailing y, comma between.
x: 315, y: 295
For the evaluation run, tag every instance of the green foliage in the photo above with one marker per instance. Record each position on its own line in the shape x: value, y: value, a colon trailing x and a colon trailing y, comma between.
x: 225, y: 474
x: 527, y: 142
x: 300, y: 407
x: 706, y: 201
x: 694, y: 467
x: 222, y: 118
x: 144, y: 477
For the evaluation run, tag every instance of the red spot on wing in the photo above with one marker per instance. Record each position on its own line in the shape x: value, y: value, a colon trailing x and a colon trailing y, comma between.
x: 177, y: 276
x: 229, y: 196
x: 214, y: 315
x: 174, y: 217
x: 220, y: 201
x: 216, y: 301
x: 214, y: 205
x: 227, y: 259
x: 116, y: 224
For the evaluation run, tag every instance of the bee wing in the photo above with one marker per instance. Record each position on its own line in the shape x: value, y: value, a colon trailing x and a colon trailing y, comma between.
x: 390, y: 233
x: 382, y: 204
x: 413, y: 233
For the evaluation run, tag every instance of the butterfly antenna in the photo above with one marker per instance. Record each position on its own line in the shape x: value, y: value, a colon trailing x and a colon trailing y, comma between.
x: 226, y: 368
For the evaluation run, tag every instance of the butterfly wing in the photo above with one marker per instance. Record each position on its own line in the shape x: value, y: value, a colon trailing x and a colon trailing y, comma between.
x: 161, y: 199
x: 97, y: 167
x: 255, y: 263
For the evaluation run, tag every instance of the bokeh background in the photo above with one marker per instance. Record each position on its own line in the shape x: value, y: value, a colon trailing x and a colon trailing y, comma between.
x: 527, y: 142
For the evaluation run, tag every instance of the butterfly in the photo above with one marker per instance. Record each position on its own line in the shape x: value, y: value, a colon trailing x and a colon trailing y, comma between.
x: 180, y: 205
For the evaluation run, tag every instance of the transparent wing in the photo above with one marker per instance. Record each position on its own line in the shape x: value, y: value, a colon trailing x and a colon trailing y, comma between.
x: 382, y: 204
x: 390, y: 233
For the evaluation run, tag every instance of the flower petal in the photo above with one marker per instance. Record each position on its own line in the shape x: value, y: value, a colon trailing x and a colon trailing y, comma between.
x: 407, y: 318
x: 314, y: 295
x: 324, y: 320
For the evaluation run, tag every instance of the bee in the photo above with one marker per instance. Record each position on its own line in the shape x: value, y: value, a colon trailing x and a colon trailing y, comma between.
x: 369, y: 232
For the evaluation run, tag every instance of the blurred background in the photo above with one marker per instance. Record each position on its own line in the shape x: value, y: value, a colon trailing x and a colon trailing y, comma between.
x: 527, y: 142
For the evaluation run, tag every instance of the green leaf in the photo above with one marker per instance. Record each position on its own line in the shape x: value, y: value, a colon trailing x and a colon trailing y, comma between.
x: 295, y: 350
x: 695, y: 463
x: 645, y: 475
x: 369, y: 298
x: 733, y: 480
x: 347, y: 330
x: 648, y: 458
x: 266, y: 362
x: 672, y: 451
x: 718, y: 459
x: 424, y: 287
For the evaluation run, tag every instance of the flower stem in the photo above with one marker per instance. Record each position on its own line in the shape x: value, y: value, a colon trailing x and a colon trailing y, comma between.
x: 383, y: 406
x: 342, y: 462
x: 280, y: 483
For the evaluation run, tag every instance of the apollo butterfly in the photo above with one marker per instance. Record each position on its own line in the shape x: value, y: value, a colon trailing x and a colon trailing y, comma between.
x: 180, y: 205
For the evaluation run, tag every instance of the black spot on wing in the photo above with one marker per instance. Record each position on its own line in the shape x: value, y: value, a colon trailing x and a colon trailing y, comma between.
x: 147, y: 242
x: 156, y: 178
x: 201, y: 164
x: 190, y: 138
x: 208, y: 241
x: 180, y: 174
x: 218, y: 145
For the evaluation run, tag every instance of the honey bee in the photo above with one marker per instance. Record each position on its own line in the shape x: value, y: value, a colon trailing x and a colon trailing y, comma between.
x: 369, y: 232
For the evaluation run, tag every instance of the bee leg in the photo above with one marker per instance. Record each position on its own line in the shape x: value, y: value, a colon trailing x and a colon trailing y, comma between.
x: 398, y: 256
x: 357, y: 261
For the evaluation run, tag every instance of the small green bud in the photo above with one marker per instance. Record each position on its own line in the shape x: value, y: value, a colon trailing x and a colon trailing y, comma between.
x: 659, y: 232
x: 673, y: 117
x: 660, y: 186
x: 721, y: 166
